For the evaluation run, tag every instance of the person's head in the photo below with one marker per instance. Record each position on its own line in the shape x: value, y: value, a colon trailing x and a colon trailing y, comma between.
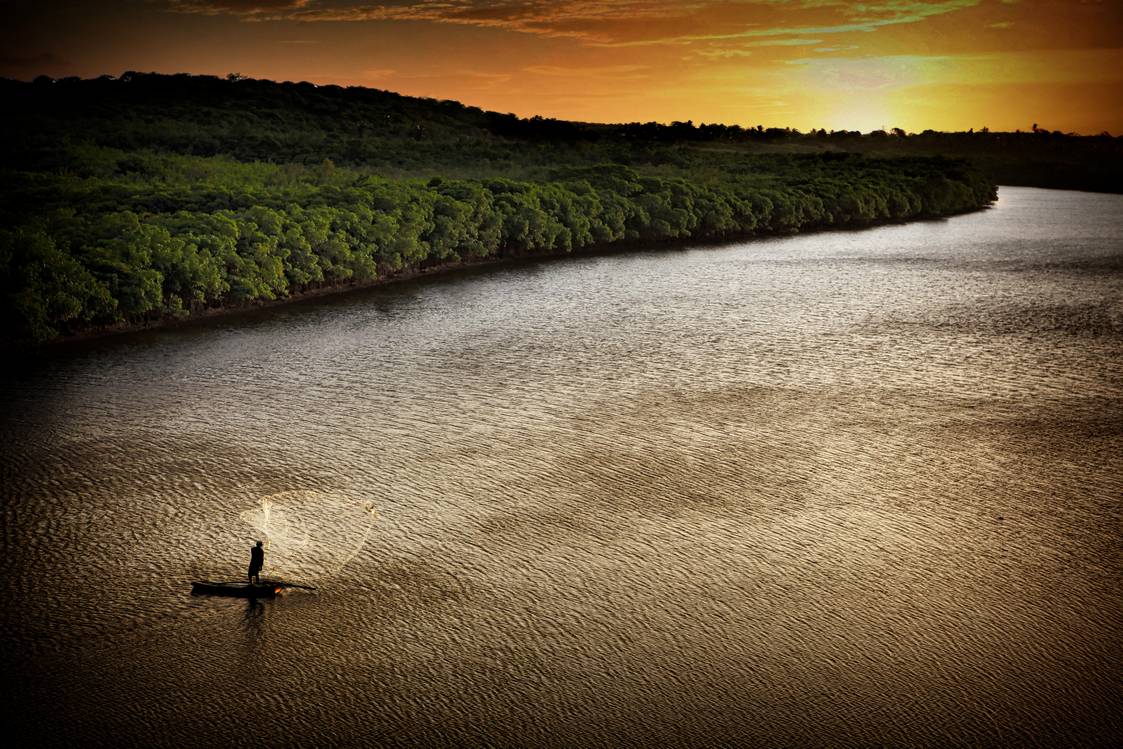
x: 259, y: 543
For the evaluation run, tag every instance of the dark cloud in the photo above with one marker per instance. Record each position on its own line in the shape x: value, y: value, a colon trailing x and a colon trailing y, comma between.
x: 603, y: 21
x: 564, y: 18
x: 263, y: 8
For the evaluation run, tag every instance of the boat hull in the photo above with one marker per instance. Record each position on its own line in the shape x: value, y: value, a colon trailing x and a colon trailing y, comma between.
x: 236, y: 590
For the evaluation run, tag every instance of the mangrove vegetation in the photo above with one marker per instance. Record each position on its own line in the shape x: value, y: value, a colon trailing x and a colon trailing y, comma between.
x: 143, y: 197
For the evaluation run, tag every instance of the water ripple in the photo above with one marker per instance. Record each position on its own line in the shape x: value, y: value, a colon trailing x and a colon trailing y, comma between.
x: 843, y: 489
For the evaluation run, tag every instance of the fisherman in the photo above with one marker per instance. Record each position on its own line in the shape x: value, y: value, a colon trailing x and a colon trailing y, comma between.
x: 257, y: 561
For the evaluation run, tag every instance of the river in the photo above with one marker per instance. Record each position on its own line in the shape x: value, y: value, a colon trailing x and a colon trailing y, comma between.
x: 842, y: 489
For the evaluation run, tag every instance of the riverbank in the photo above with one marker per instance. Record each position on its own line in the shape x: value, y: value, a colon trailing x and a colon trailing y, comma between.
x: 459, y: 266
x: 84, y: 254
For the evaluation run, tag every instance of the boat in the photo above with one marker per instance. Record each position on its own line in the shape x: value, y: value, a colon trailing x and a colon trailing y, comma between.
x: 265, y: 589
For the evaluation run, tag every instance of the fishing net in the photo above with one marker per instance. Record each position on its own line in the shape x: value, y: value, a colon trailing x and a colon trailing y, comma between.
x: 310, y: 536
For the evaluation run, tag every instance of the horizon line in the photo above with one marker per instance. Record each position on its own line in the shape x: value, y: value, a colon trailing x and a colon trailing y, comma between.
x: 234, y: 77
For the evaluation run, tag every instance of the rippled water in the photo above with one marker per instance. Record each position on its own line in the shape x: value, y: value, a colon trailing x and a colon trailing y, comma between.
x: 841, y: 489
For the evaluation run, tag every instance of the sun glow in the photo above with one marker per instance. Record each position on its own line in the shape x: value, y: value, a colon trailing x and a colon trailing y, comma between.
x: 859, y: 115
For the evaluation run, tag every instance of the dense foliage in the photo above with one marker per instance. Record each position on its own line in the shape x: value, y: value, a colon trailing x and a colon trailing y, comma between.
x: 134, y: 199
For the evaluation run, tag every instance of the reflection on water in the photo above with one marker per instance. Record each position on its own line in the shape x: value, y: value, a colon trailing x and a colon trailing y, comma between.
x: 839, y: 490
x: 253, y: 622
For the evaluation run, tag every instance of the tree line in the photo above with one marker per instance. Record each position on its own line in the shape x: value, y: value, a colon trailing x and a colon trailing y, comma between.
x: 128, y: 251
x: 255, y: 120
x: 99, y: 231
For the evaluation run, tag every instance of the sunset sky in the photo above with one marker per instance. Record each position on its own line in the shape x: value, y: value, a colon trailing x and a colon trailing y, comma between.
x: 945, y: 64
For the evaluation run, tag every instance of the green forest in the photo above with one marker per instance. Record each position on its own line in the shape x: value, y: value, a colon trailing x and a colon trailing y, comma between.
x: 145, y: 197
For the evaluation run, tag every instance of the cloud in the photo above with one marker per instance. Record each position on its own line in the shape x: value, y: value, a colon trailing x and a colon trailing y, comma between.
x: 608, y: 71
x: 246, y: 8
x: 722, y: 53
x: 860, y: 17
x: 581, y: 19
x: 783, y: 42
x: 608, y: 23
x: 877, y: 75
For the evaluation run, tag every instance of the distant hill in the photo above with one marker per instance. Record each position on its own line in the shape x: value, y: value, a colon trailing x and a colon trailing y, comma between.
x: 395, y: 135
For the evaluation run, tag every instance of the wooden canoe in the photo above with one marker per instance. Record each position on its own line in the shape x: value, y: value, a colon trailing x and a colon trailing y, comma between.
x: 265, y: 589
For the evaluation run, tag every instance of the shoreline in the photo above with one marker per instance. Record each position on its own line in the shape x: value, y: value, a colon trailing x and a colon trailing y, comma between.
x: 450, y: 269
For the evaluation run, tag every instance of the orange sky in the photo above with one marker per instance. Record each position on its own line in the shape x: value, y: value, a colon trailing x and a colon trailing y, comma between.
x: 942, y: 64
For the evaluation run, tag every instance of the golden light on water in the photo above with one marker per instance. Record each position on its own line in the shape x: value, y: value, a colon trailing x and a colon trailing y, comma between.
x: 941, y: 64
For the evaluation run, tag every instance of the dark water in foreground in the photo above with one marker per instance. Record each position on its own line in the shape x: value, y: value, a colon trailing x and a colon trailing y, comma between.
x: 834, y: 490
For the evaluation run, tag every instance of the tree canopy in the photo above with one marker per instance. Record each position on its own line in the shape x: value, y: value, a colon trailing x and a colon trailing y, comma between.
x: 148, y: 196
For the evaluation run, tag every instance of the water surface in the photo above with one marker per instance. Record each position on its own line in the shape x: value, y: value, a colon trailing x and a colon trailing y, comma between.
x: 839, y: 489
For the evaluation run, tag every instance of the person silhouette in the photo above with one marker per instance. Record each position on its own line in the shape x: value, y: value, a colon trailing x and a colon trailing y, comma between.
x: 257, y: 561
